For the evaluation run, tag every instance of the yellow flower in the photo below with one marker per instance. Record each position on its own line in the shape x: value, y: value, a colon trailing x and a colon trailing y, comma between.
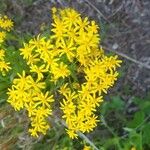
x: 2, y: 36
x: 88, y: 40
x: 42, y: 112
x: 87, y: 147
x: 71, y: 17
x: 44, y: 50
x: 30, y: 108
x: 68, y: 49
x: 95, y: 100
x: 26, y: 51
x: 35, y: 85
x: 72, y: 35
x: 39, y: 125
x: 59, y: 30
x: 33, y: 132
x: 39, y: 70
x: 64, y: 89
x: 87, y: 107
x: 68, y: 108
x: 6, y: 23
x: 89, y: 124
x: 17, y: 97
x: 111, y: 62
x: 2, y: 54
x: 70, y: 96
x: 82, y: 24
x: 93, y: 27
x: 21, y: 82
x: 54, y: 10
x: 71, y: 133
x: 33, y: 59
x: 85, y: 92
x: 26, y: 93
x: 37, y: 42
x: 133, y: 148
x: 4, y: 66
x: 43, y: 100
x: 60, y: 71
x: 51, y: 62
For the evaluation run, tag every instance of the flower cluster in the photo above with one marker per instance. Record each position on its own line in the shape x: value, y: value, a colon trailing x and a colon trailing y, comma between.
x: 4, y: 66
x: 5, y: 25
x: 27, y: 93
x: 73, y: 61
x: 77, y: 39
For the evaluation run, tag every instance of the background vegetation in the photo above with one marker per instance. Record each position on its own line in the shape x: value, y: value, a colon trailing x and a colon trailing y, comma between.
x: 125, y: 113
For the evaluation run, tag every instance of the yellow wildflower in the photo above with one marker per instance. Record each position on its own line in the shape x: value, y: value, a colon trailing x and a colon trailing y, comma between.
x: 68, y: 49
x: 133, y: 148
x: 21, y: 82
x: 6, y: 23
x: 59, y: 31
x: 39, y: 70
x: 2, y: 36
x: 64, y: 89
x: 60, y: 71
x: 93, y: 27
x: 26, y: 51
x: 35, y: 85
x: 2, y: 54
x: 43, y: 100
x: 37, y: 42
x: 38, y: 125
x: 71, y: 134
x: 87, y: 147
x: 4, y: 66
x: 82, y: 24
x: 71, y: 17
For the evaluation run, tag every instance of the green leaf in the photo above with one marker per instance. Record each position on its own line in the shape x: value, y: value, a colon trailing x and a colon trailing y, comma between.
x: 111, y: 143
x: 117, y: 103
x: 144, y: 104
x: 136, y: 140
x: 137, y: 120
x: 128, y: 129
x: 146, y: 134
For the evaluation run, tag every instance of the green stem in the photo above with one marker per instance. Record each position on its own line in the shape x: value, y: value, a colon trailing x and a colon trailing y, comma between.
x: 112, y: 132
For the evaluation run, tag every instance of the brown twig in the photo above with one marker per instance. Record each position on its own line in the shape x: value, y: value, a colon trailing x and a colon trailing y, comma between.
x: 128, y: 58
x: 96, y: 9
x: 116, y: 11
